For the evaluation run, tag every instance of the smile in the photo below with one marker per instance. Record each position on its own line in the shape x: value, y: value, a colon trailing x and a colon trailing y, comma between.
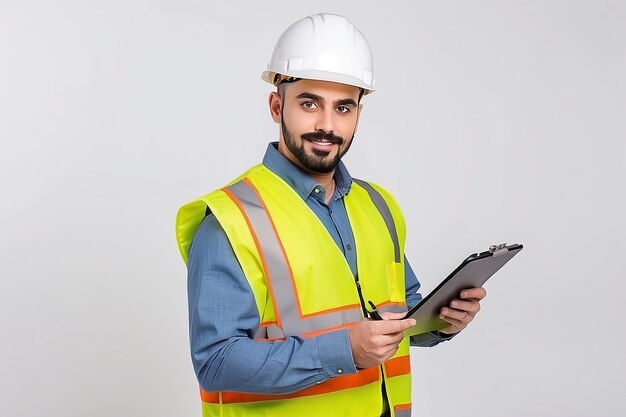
x: 322, y: 143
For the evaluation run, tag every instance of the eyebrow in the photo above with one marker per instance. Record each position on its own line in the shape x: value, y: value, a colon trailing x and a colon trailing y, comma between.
x: 315, y: 97
x: 345, y: 101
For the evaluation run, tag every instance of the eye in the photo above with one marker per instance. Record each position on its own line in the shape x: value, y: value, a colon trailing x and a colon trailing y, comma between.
x: 343, y: 109
x: 309, y: 105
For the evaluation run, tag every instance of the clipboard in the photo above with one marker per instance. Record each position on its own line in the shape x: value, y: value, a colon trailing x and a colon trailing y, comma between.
x: 473, y: 272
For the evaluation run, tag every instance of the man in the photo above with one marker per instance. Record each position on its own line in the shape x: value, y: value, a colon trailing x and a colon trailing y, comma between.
x: 284, y: 261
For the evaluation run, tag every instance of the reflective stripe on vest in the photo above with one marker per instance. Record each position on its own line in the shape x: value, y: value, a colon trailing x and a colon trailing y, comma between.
x: 289, y: 318
x: 393, y: 308
x: 402, y: 410
x: 384, y: 211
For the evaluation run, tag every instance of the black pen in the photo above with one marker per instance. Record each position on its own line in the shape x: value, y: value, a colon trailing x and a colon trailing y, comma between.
x: 374, y: 315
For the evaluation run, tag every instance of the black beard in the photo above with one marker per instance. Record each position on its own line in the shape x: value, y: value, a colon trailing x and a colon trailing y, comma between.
x: 316, y: 162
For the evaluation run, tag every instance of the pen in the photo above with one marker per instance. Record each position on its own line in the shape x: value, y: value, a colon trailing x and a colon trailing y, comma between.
x: 374, y: 313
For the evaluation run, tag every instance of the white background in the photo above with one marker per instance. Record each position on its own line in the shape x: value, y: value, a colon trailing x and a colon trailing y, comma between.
x: 494, y: 121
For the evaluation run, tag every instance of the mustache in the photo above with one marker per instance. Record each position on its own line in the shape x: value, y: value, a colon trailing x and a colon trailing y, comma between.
x: 319, y: 136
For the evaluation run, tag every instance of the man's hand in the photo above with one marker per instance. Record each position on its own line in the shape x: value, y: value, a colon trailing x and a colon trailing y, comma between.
x: 375, y: 341
x: 462, y: 311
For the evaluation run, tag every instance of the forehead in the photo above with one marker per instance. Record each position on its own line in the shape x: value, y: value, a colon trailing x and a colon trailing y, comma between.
x: 329, y: 91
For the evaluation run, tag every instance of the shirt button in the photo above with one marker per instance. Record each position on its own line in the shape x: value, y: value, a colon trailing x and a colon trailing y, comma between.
x: 317, y: 190
x: 349, y: 246
x: 340, y: 371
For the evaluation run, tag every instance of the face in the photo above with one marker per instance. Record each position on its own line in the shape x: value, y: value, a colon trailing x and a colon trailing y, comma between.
x: 318, y: 121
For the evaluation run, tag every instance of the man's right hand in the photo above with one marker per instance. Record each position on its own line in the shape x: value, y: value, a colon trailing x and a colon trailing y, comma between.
x: 375, y: 341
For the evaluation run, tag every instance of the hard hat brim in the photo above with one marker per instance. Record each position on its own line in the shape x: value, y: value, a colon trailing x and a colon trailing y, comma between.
x: 268, y: 76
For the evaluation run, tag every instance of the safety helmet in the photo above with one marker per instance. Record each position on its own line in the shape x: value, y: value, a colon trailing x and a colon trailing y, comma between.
x: 323, y: 47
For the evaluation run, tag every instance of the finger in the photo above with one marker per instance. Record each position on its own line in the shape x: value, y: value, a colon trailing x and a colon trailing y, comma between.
x: 387, y: 315
x: 391, y: 339
x: 475, y: 293
x: 394, y: 326
x: 471, y: 307
x: 460, y: 315
x: 456, y: 325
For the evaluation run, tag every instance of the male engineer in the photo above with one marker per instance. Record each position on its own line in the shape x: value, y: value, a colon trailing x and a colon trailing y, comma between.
x: 286, y: 262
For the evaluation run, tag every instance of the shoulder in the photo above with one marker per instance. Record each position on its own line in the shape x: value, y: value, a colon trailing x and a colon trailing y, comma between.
x: 209, y: 237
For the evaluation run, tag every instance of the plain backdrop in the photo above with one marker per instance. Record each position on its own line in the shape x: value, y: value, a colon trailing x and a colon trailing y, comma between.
x: 494, y: 121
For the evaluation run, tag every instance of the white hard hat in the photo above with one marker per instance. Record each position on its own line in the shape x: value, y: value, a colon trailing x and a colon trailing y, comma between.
x: 323, y: 47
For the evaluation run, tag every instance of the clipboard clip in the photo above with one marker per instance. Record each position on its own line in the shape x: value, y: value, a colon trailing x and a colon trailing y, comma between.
x: 497, y: 250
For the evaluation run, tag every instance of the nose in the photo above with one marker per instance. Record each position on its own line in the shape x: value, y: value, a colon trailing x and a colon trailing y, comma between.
x: 325, y: 121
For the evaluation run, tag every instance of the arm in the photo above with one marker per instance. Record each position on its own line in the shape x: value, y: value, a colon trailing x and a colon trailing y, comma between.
x: 223, y: 318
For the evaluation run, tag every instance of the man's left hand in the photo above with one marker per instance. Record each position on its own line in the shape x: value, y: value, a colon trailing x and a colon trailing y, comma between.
x: 462, y: 311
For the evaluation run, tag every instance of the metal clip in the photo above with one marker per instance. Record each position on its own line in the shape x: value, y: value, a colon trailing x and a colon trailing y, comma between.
x: 497, y: 250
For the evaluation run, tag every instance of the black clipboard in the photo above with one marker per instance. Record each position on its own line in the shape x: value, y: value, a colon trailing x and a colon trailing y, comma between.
x: 473, y: 272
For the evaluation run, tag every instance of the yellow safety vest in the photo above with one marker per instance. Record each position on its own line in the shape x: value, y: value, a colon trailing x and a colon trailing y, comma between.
x: 303, y: 286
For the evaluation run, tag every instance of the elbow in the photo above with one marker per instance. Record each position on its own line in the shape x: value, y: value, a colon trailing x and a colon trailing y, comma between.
x: 211, y: 368
x: 206, y: 374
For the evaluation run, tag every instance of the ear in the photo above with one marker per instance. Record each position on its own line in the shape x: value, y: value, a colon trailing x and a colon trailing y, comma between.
x: 274, y: 102
x: 358, y: 117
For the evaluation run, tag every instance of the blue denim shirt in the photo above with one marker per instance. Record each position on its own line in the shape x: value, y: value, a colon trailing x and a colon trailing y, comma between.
x: 223, y: 312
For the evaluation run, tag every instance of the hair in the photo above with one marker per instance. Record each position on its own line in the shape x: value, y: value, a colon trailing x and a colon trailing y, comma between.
x: 361, y: 94
x: 280, y: 90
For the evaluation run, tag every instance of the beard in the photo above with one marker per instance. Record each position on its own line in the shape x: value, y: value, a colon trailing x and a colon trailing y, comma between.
x: 318, y: 160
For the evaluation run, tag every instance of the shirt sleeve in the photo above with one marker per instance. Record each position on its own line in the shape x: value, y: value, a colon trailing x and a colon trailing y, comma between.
x: 413, y: 297
x: 223, y: 318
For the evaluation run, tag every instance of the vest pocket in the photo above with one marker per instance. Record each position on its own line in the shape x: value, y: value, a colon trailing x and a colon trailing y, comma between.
x: 395, y: 282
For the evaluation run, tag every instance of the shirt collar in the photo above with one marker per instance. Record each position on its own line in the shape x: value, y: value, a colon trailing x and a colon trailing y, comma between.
x: 298, y: 179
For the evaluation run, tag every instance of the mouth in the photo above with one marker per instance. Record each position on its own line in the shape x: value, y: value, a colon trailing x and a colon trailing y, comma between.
x: 322, y: 143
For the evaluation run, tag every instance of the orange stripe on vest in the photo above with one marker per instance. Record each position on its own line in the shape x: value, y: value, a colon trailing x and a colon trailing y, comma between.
x: 398, y: 366
x: 363, y: 377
